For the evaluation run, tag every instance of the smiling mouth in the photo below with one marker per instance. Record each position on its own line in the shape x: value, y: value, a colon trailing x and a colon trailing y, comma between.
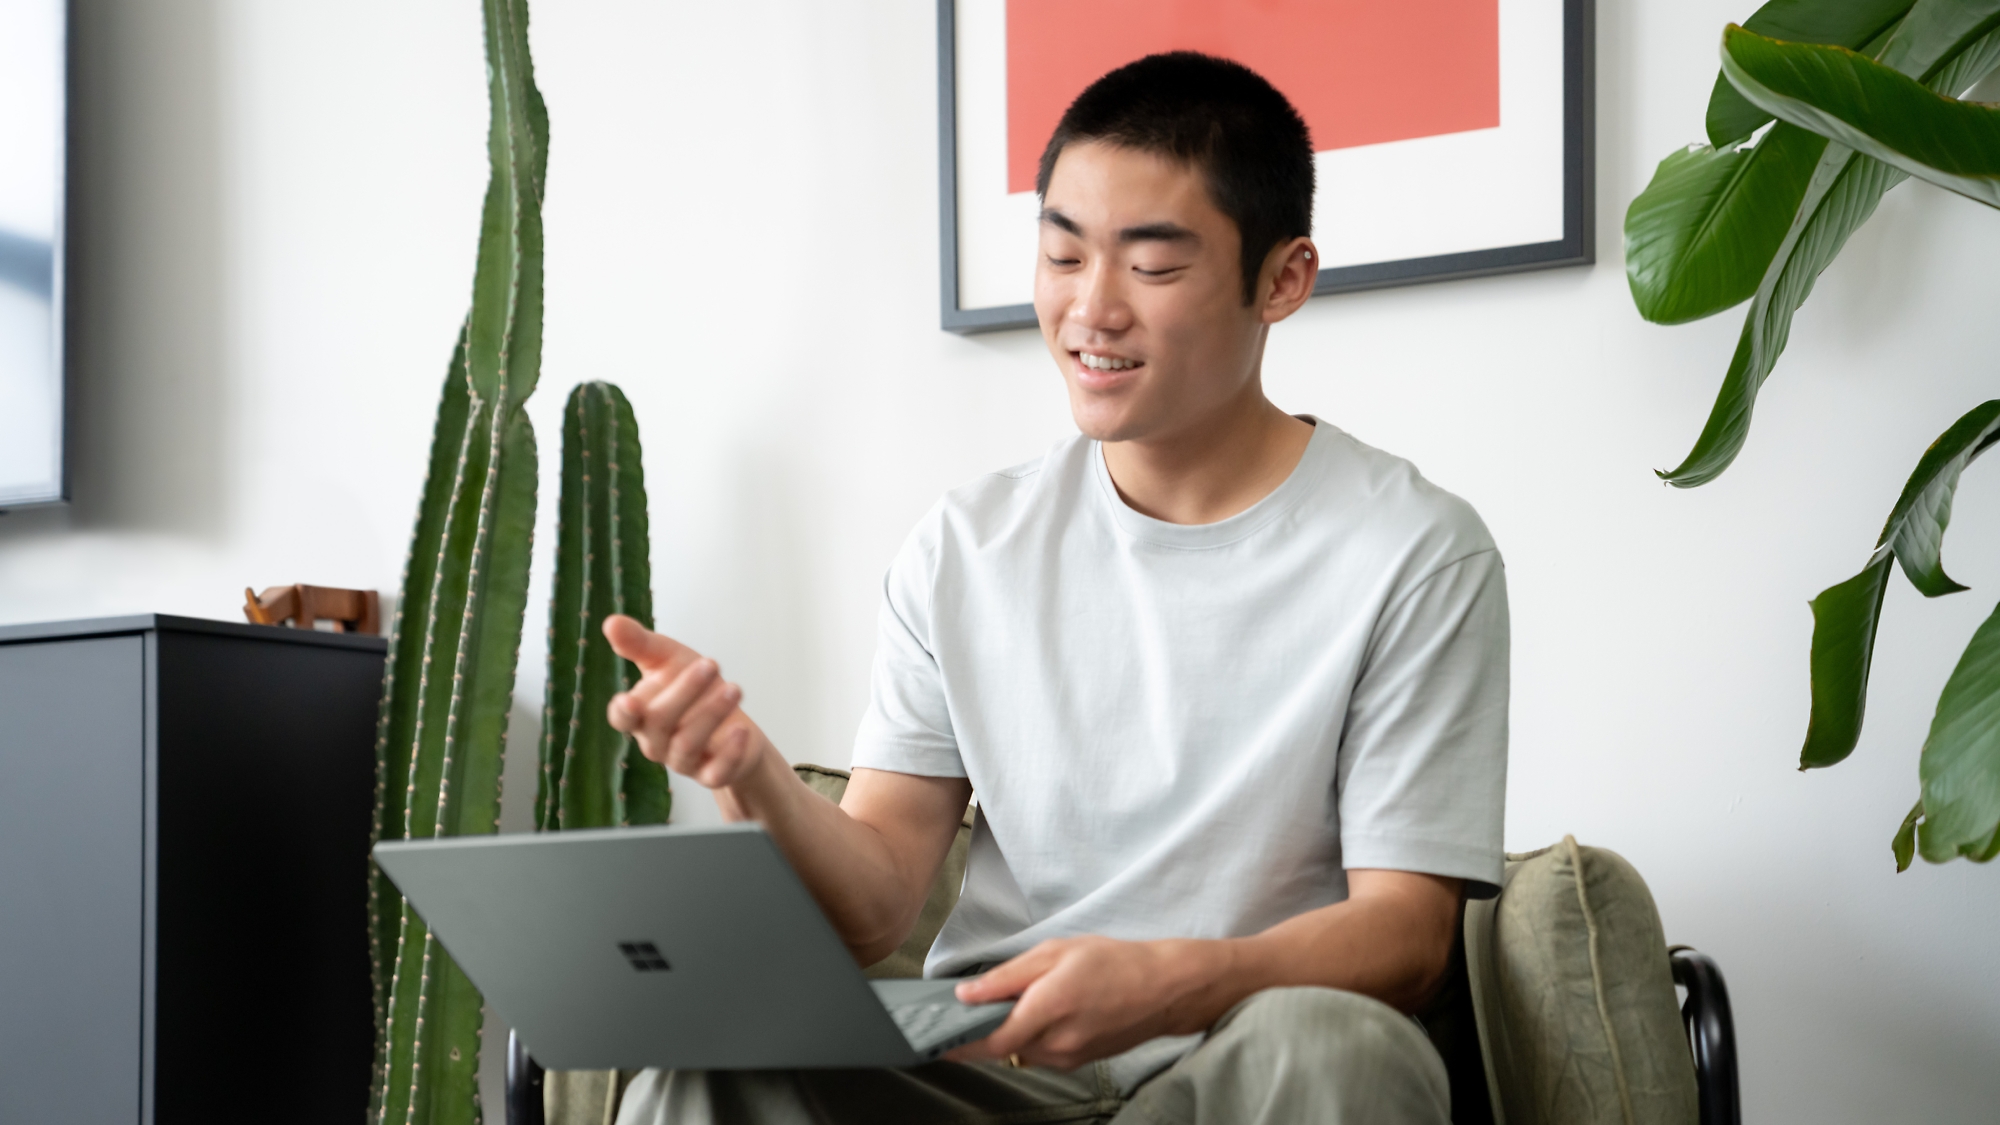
x: 1106, y: 362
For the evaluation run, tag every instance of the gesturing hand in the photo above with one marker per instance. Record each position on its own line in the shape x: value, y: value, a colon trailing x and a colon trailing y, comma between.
x: 1082, y: 999
x: 682, y: 712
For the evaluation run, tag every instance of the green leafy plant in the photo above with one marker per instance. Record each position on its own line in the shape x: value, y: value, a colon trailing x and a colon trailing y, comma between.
x: 594, y: 776
x: 449, y: 685
x: 1821, y: 107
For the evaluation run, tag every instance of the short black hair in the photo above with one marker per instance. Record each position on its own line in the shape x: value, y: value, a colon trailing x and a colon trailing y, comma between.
x: 1215, y: 115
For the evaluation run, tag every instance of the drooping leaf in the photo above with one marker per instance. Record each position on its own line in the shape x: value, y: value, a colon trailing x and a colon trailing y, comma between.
x: 1845, y: 616
x: 1872, y: 109
x: 1843, y: 645
x: 1699, y: 238
x: 1846, y: 23
x: 1904, y: 846
x: 1916, y: 526
x: 1843, y: 193
x: 1960, y: 766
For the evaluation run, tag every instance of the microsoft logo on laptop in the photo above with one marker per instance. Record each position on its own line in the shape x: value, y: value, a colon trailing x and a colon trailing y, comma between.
x: 645, y: 956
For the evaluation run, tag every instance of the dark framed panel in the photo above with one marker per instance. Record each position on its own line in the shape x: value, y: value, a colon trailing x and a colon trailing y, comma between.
x: 1563, y: 178
x: 34, y: 186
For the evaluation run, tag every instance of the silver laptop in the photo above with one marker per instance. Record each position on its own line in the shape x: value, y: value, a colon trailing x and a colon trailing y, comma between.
x: 686, y: 948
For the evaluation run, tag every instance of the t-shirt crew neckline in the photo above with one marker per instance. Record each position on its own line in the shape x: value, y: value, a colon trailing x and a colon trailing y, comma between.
x: 1243, y: 524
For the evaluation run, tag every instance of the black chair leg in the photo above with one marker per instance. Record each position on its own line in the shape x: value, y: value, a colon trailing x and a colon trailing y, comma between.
x: 1711, y: 1030
x: 524, y: 1085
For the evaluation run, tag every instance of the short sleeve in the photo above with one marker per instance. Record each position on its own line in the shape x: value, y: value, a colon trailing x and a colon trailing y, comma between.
x: 1423, y: 759
x: 907, y: 727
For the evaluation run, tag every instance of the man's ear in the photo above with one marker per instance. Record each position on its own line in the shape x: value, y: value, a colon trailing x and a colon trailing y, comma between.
x: 1287, y: 279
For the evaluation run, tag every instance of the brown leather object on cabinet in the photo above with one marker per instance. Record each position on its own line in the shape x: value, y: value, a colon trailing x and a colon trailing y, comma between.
x: 351, y: 611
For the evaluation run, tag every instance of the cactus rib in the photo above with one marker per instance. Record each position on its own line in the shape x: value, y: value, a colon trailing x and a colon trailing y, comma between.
x: 448, y: 688
x: 593, y: 776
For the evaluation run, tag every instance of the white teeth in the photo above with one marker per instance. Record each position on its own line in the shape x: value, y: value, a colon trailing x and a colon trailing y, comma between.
x: 1105, y: 362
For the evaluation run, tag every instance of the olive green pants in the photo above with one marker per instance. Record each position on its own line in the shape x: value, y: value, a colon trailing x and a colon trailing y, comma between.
x: 1287, y: 1056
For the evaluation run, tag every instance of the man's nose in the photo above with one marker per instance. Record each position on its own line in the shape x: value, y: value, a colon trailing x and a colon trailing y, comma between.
x: 1100, y: 299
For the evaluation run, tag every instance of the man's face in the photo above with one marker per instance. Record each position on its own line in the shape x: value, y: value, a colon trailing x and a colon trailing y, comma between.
x: 1139, y: 292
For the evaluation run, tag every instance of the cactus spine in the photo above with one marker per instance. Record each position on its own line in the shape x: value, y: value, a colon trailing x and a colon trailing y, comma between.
x: 457, y: 634
x: 593, y: 776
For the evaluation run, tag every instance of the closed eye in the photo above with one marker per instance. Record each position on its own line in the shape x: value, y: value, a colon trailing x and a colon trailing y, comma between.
x: 1167, y: 272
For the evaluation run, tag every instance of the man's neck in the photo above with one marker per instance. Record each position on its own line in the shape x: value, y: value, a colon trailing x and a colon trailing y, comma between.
x: 1210, y: 471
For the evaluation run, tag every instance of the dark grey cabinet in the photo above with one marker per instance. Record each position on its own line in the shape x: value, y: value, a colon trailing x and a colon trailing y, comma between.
x: 184, y: 821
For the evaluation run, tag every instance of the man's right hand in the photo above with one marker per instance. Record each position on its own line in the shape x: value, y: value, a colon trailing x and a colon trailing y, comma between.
x: 682, y: 713
x: 868, y: 862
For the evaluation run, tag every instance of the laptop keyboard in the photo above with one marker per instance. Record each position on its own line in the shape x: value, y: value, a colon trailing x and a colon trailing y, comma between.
x: 933, y: 1027
x: 919, y: 1021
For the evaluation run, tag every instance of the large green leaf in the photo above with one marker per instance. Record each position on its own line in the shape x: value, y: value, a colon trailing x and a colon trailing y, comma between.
x: 1960, y: 767
x: 1842, y: 194
x: 1845, y: 616
x: 1845, y: 23
x: 1843, y: 645
x: 1916, y: 525
x: 1699, y: 238
x: 1935, y: 36
x: 1871, y: 108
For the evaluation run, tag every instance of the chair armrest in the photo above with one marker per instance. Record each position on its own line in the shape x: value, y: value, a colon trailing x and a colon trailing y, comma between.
x: 524, y: 1085
x: 1711, y: 1032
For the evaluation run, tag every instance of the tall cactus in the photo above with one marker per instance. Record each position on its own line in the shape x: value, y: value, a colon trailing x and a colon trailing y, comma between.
x: 457, y: 633
x: 594, y: 776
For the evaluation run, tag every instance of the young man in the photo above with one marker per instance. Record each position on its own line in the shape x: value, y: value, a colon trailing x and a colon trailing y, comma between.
x: 1230, y: 685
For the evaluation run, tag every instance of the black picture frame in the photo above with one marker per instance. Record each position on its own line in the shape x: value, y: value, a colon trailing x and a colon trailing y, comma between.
x: 1576, y: 247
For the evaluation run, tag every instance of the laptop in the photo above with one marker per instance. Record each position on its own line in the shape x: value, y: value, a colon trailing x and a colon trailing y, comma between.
x: 692, y: 948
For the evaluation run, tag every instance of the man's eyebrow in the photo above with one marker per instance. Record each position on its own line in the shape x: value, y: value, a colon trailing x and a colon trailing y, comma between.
x: 1158, y: 232
x: 1145, y: 232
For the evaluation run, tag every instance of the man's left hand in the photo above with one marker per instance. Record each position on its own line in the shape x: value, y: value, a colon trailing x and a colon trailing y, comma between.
x: 1087, y: 998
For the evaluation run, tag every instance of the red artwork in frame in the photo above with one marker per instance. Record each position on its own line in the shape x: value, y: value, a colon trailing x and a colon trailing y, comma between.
x: 1452, y: 138
x: 1360, y: 72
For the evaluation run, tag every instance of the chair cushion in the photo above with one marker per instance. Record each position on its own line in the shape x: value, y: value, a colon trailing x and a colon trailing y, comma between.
x: 908, y: 960
x: 1575, y: 997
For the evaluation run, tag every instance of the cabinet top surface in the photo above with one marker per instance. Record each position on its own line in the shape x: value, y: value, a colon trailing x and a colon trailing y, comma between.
x: 168, y: 623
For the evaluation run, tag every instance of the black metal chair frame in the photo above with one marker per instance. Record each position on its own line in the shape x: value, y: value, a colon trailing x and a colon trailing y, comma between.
x: 1711, y: 1030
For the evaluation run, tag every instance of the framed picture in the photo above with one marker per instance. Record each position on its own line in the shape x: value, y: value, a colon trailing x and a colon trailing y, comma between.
x: 1453, y: 138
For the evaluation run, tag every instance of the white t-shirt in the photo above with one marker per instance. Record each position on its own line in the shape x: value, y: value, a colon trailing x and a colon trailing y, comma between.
x: 1193, y: 731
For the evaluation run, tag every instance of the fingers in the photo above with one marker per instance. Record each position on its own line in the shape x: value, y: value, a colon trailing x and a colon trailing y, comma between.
x: 654, y: 705
x: 1012, y: 977
x: 661, y: 714
x: 694, y: 726
x: 689, y: 744
x: 1025, y: 1033
x: 681, y: 712
x: 642, y: 646
x: 1011, y: 980
x: 729, y: 754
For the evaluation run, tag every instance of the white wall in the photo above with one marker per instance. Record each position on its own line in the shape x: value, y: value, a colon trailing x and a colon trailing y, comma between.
x: 276, y: 228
